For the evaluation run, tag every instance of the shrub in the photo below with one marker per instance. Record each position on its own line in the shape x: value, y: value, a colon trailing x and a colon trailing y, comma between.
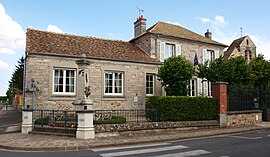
x: 44, y: 121
x: 181, y: 108
x: 114, y: 120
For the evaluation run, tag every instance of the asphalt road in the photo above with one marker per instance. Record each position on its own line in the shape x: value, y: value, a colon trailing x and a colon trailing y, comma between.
x: 9, y: 118
x: 255, y: 144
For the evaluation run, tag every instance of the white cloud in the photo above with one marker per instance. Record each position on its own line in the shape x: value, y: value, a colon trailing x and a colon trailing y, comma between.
x: 217, y: 25
x: 262, y: 44
x: 12, y: 36
x: 4, y: 66
x: 205, y: 20
x: 175, y: 23
x: 53, y: 28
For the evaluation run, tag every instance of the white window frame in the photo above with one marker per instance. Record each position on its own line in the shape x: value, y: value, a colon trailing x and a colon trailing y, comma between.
x: 172, y: 50
x: 113, y: 83
x: 153, y: 84
x: 195, y: 87
x: 64, y: 82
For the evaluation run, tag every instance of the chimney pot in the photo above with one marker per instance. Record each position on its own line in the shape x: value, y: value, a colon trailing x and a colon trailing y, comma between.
x: 208, y: 34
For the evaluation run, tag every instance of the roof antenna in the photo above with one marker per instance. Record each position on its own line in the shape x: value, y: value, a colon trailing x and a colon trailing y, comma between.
x: 241, y: 30
x: 140, y: 11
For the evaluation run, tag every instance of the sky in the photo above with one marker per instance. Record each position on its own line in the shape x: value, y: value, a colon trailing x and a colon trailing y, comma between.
x: 113, y: 19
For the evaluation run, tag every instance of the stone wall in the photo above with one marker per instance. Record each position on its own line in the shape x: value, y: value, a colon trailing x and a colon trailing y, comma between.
x: 242, y: 118
x: 150, y: 44
x: 187, y: 125
x: 40, y: 69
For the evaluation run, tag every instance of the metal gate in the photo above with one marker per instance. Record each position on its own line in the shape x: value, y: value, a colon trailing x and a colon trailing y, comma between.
x: 244, y: 97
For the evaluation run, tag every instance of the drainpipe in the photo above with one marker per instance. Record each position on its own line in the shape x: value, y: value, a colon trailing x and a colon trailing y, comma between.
x: 24, y: 79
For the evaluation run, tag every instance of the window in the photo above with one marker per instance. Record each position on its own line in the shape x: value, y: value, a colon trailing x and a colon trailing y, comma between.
x: 250, y: 55
x: 113, y: 83
x: 210, y: 55
x: 149, y: 84
x: 246, y: 54
x: 169, y: 50
x: 192, y: 87
x: 64, y: 81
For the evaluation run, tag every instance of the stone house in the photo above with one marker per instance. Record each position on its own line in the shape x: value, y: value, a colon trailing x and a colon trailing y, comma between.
x: 121, y: 74
x: 243, y: 46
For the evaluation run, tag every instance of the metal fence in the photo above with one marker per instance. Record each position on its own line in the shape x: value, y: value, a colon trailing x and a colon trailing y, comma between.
x: 66, y: 121
x: 55, y: 121
x: 242, y: 98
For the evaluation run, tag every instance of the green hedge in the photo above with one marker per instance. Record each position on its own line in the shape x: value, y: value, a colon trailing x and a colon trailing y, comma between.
x: 181, y: 108
x: 114, y: 120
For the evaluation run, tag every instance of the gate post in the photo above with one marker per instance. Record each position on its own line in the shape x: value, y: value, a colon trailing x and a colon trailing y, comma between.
x: 26, y: 121
x: 219, y: 92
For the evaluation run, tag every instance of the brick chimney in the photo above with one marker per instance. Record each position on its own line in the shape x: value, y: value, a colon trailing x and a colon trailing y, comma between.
x: 208, y: 34
x: 139, y: 26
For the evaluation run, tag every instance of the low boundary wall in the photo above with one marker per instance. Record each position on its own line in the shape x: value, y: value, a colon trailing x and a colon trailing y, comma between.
x: 243, y: 118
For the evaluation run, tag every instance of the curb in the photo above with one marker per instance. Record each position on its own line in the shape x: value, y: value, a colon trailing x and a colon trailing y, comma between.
x: 133, y: 140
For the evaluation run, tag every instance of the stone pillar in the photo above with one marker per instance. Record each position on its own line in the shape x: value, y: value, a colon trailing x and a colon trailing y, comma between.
x: 26, y: 121
x: 85, y: 128
x: 219, y: 92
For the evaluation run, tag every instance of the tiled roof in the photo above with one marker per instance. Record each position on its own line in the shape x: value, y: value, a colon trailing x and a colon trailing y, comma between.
x: 55, y: 43
x: 180, y: 32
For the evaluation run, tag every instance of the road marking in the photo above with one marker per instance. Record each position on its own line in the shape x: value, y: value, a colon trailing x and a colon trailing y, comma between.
x: 142, y: 151
x: 132, y: 146
x: 224, y: 156
x: 186, y: 154
x: 248, y: 138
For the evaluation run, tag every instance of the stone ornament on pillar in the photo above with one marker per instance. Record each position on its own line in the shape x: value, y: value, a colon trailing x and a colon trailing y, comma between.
x: 84, y: 91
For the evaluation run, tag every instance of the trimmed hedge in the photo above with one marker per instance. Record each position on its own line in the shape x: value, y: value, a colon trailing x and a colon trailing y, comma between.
x: 114, y: 120
x: 181, y: 108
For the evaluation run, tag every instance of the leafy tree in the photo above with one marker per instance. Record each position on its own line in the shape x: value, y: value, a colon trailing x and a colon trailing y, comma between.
x: 16, y: 81
x: 175, y: 74
x: 234, y: 71
x: 260, y: 70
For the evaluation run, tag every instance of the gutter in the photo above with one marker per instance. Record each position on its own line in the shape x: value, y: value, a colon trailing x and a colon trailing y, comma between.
x: 94, y: 58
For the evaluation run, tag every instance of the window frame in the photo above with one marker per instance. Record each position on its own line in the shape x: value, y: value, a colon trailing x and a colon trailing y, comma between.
x: 153, y: 84
x: 113, y: 83
x: 172, y: 50
x: 191, y: 90
x: 64, y: 82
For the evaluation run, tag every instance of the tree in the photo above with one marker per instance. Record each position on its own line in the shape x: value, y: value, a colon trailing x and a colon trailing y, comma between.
x: 175, y: 74
x: 16, y: 81
x: 260, y: 70
x: 234, y: 71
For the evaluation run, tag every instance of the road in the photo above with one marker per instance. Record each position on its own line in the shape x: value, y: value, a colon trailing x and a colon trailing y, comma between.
x: 255, y: 144
x: 10, y: 119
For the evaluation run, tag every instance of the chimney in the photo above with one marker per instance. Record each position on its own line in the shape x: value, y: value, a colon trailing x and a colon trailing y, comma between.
x: 208, y: 34
x: 139, y: 26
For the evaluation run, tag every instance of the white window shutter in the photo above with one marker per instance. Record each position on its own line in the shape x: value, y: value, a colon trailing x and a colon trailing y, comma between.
x: 216, y: 54
x: 199, y: 85
x: 210, y: 89
x: 205, y: 55
x: 178, y: 50
x: 205, y: 88
x: 162, y: 51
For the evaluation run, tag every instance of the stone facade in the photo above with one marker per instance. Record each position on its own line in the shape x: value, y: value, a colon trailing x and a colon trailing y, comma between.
x: 40, y: 69
x: 243, y: 118
x: 244, y: 47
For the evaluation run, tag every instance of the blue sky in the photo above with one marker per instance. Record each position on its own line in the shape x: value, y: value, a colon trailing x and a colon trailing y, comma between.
x: 114, y: 20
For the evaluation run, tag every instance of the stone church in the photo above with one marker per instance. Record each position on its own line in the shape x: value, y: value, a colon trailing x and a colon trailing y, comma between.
x: 121, y: 73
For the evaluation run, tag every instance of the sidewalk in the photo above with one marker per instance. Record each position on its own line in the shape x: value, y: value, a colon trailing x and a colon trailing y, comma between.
x: 35, y: 142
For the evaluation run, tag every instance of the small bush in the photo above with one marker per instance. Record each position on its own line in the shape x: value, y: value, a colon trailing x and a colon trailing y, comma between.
x: 181, y: 108
x: 44, y: 121
x: 114, y: 120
